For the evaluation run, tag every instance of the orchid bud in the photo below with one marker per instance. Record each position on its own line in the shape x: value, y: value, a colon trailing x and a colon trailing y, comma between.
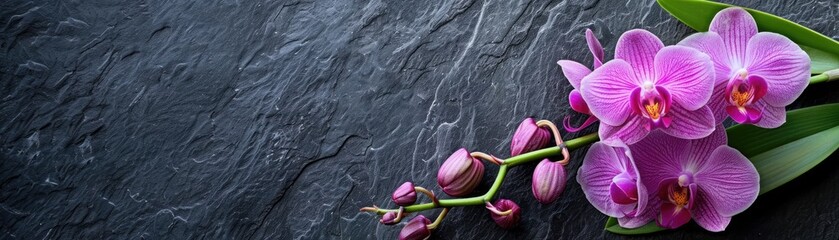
x: 417, y: 228
x: 405, y: 194
x: 389, y: 218
x: 460, y: 173
x: 505, y: 213
x: 548, y: 181
x: 624, y: 189
x: 529, y: 137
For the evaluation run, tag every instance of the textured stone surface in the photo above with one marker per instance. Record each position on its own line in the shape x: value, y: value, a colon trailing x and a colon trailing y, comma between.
x: 279, y: 119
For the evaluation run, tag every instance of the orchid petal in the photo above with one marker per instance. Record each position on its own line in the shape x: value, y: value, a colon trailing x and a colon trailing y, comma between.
x: 718, y: 102
x: 728, y: 181
x: 782, y: 63
x: 673, y: 216
x: 630, y: 132
x: 643, y: 217
x: 706, y: 215
x: 638, y: 47
x: 655, y: 155
x: 595, y: 48
x: 770, y: 116
x: 687, y: 74
x: 737, y: 115
x: 600, y: 166
x: 701, y: 149
x: 690, y: 124
x: 607, y: 90
x: 573, y: 71
x: 709, y: 43
x: 577, y: 102
x: 735, y: 26
x: 567, y: 124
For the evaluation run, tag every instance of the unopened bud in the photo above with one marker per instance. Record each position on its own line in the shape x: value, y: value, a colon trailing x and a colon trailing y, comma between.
x: 505, y: 213
x: 460, y: 173
x: 529, y: 137
x: 548, y: 181
x: 389, y: 218
x: 416, y: 229
x: 405, y: 194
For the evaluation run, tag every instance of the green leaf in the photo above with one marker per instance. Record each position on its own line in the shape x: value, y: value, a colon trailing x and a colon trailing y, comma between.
x: 612, y: 226
x: 697, y: 14
x: 780, y: 155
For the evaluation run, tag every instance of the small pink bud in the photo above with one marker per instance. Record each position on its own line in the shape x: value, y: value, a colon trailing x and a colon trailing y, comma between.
x: 405, y: 194
x: 389, y: 218
x: 529, y: 137
x: 624, y: 189
x: 417, y: 229
x: 548, y: 181
x: 501, y: 216
x: 460, y: 173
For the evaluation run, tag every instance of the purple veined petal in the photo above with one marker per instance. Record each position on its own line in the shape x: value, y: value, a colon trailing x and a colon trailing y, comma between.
x: 632, y: 131
x: 595, y: 48
x: 578, y: 103
x: 649, y: 214
x: 657, y: 158
x: 573, y: 71
x: 600, y: 166
x: 638, y: 47
x: 706, y: 214
x: 718, y: 102
x: 735, y: 26
x: 701, y: 149
x: 770, y: 116
x: 607, y: 90
x: 690, y: 124
x: 673, y: 216
x: 709, y: 43
x: 687, y: 74
x: 728, y: 181
x: 782, y: 63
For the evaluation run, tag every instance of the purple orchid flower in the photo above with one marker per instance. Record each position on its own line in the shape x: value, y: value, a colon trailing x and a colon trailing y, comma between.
x: 757, y: 74
x: 610, y: 180
x: 701, y: 179
x: 575, y: 72
x: 650, y: 87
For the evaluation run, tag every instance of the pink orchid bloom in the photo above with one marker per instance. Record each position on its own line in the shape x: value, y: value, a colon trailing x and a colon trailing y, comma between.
x: 757, y: 74
x: 575, y: 72
x: 701, y: 179
x: 650, y: 87
x: 610, y: 180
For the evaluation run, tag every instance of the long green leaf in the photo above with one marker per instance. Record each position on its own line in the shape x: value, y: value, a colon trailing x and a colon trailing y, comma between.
x: 697, y: 14
x: 809, y: 136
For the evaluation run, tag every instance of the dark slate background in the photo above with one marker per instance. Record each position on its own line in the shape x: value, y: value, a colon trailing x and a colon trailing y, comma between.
x: 280, y: 119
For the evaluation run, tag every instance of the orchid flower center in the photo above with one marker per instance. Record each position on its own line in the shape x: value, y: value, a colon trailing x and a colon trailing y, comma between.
x: 652, y: 103
x: 678, y: 193
x: 742, y: 92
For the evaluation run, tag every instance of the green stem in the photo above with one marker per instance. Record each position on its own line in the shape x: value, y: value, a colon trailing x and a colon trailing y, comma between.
x: 819, y: 78
x: 502, y: 172
x: 827, y: 76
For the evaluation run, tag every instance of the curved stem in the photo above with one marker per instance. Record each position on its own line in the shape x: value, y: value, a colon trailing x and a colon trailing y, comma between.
x: 428, y: 193
x: 502, y: 172
x: 439, y: 219
x: 487, y: 157
x: 558, y: 139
